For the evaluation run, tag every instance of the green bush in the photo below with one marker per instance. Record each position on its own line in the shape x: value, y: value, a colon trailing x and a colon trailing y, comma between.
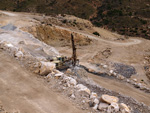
x: 96, y: 33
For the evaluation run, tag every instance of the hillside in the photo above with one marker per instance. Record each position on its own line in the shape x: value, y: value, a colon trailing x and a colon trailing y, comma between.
x: 127, y: 17
x: 109, y: 72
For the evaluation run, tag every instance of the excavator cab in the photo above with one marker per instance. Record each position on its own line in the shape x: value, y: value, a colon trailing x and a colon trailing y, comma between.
x: 60, y: 61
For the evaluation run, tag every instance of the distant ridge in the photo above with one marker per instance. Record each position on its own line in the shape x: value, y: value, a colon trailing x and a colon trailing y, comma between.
x: 127, y: 17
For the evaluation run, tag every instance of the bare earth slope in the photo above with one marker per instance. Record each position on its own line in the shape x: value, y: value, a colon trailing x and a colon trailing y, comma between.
x: 22, y: 91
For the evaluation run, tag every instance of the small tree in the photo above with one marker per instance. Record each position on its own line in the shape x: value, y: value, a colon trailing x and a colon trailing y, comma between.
x: 96, y: 33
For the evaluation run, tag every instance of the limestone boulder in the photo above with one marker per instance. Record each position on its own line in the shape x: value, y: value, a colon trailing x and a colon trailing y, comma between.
x: 111, y: 71
x: 93, y: 95
x: 73, y: 82
x: 95, y: 107
x: 82, y: 88
x: 18, y: 54
x: 109, y: 99
x: 70, y: 81
x: 120, y: 77
x: 96, y: 101
x: 46, y: 68
x: 124, y: 108
x: 58, y: 75
x: 113, y: 108
x: 103, y: 106
x: 9, y: 45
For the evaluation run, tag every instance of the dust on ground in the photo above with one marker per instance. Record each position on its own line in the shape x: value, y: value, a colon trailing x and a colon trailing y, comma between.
x: 22, y: 91
x: 127, y: 51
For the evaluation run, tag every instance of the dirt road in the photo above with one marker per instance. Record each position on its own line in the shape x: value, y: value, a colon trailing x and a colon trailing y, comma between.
x: 124, y: 52
x: 22, y: 91
x: 130, y: 42
x: 122, y: 88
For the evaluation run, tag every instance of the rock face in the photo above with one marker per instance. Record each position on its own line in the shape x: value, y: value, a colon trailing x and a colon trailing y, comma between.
x: 49, y: 34
x: 109, y: 99
x: 46, y: 67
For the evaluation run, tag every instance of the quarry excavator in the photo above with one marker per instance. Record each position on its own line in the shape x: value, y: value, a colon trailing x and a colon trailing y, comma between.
x: 63, y: 62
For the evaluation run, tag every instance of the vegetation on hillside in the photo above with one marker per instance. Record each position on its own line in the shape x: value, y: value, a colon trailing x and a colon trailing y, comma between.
x: 127, y: 17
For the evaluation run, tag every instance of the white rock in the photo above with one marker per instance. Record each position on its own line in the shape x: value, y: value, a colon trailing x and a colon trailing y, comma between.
x: 80, y: 86
x: 135, y: 80
x: 109, y: 99
x: 83, y: 88
x: 109, y: 110
x: 73, y: 96
x: 9, y: 45
x: 64, y: 88
x: 103, y: 106
x: 124, y: 108
x: 58, y: 75
x: 121, y: 77
x: 49, y: 75
x: 47, y: 67
x: 114, y: 73
x: 73, y: 82
x: 111, y: 71
x: 70, y: 81
x: 56, y: 71
x: 105, y: 66
x: 139, y: 84
x: 96, y: 101
x: 83, y: 101
x: 19, y: 54
x: 115, y: 106
x: 93, y: 95
x: 95, y: 107
x: 128, y: 80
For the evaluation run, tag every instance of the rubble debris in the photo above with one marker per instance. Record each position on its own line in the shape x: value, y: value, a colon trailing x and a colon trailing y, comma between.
x: 125, y: 70
x: 109, y: 103
x: 82, y: 88
x: 46, y: 68
x: 70, y: 81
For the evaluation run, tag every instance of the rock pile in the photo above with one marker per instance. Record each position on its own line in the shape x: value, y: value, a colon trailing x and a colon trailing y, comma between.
x: 113, y: 73
x: 109, y: 104
x: 104, y: 103
x: 69, y: 84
